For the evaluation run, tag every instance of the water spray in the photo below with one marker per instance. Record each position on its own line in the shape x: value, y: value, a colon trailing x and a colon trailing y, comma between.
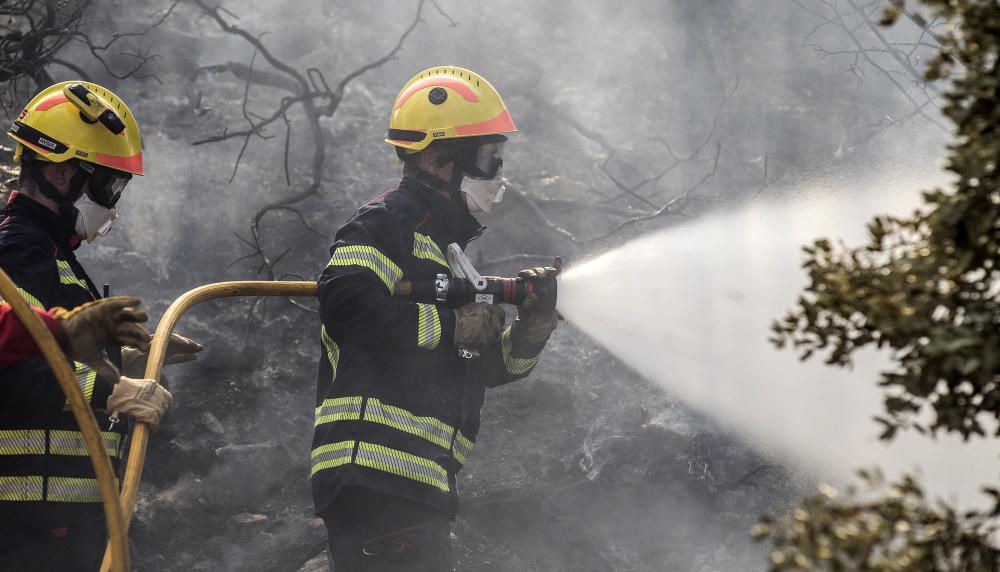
x: 697, y: 325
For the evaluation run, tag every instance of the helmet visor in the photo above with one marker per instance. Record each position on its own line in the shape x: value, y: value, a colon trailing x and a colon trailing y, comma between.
x: 106, y: 185
x: 489, y: 159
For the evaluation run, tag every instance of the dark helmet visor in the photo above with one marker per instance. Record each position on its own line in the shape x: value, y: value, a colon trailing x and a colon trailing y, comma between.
x: 106, y: 184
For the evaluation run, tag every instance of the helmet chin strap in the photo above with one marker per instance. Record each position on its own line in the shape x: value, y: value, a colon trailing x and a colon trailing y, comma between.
x: 451, y: 186
x: 454, y: 187
x: 36, y: 169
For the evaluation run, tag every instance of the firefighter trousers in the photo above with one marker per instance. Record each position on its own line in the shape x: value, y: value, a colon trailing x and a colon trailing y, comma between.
x: 372, y: 531
x: 51, y: 548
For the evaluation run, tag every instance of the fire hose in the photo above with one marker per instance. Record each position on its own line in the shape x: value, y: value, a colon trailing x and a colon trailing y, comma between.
x: 444, y: 291
x: 49, y: 347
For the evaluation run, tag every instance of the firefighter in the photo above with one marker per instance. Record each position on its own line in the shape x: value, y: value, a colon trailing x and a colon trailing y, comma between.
x: 78, y: 146
x: 400, y: 385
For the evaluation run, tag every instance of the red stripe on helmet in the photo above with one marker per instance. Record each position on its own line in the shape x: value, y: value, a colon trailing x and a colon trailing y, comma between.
x: 131, y: 164
x: 502, y: 123
x: 438, y: 81
x: 51, y: 101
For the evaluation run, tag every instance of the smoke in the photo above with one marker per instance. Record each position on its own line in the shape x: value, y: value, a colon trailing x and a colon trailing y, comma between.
x: 690, y: 309
x: 642, y: 76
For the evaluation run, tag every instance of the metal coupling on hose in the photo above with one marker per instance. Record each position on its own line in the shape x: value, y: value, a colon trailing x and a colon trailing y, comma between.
x: 441, y: 287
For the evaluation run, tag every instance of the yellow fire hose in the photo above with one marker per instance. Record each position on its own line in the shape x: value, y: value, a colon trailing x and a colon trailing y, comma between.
x: 117, y: 547
x: 154, y: 365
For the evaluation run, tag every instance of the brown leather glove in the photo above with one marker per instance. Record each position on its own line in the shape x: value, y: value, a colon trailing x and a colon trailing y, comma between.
x: 477, y: 325
x: 534, y: 324
x: 179, y: 350
x: 144, y: 399
x: 91, y: 327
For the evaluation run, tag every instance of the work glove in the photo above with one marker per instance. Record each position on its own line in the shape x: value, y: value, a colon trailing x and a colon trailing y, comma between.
x: 144, y: 399
x: 179, y: 350
x: 534, y: 324
x: 477, y: 325
x: 91, y: 327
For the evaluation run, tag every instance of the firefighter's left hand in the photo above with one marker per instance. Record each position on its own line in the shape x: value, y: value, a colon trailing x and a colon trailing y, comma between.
x: 534, y: 324
x: 179, y: 350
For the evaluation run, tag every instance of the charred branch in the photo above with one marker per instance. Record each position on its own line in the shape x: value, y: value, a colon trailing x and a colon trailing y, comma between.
x: 903, y: 57
x: 627, y: 217
x: 35, y: 32
x: 675, y: 159
x: 309, y: 92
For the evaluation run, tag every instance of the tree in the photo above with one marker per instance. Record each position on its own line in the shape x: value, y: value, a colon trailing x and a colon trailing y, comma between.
x: 34, y: 34
x: 927, y: 287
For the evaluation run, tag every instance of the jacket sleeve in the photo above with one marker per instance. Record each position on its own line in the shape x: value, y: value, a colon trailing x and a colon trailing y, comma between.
x: 16, y: 343
x: 34, y: 272
x: 507, y: 360
x: 355, y: 290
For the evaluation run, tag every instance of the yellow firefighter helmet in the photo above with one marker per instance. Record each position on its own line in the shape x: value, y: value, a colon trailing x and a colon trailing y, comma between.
x: 446, y: 103
x: 80, y: 120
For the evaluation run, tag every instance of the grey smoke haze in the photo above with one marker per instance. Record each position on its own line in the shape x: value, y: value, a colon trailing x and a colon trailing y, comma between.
x: 639, y: 74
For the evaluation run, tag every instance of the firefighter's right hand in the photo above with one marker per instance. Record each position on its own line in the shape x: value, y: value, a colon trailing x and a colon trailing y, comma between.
x: 95, y: 325
x: 477, y: 325
x: 144, y: 399
x: 179, y: 350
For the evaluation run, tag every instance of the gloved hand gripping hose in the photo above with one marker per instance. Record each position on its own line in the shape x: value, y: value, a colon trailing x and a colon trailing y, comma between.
x: 454, y: 292
x: 84, y: 418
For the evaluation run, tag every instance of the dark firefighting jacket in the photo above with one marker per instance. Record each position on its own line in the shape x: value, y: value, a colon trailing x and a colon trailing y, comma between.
x: 397, y: 405
x: 45, y: 473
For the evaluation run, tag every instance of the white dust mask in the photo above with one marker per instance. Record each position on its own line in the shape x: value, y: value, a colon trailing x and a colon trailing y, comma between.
x: 482, y: 194
x: 92, y: 220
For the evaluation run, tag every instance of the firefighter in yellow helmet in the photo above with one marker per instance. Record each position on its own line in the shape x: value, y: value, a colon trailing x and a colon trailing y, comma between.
x: 78, y: 146
x: 400, y: 382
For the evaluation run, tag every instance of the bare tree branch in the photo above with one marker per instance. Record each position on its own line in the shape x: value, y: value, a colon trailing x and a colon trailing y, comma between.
x: 309, y: 91
x: 895, y: 53
x: 672, y: 207
x: 866, y: 14
x: 677, y: 160
x: 260, y: 77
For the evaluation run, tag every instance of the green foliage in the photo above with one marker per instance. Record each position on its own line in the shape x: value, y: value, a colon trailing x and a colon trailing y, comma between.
x: 878, y: 528
x: 927, y: 286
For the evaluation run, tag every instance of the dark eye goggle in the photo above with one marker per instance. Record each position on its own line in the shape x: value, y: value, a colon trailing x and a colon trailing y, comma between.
x: 106, y: 185
x: 479, y: 157
x: 489, y: 159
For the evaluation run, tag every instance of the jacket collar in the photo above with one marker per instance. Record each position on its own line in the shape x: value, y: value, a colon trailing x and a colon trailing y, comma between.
x: 59, y: 227
x: 453, y: 219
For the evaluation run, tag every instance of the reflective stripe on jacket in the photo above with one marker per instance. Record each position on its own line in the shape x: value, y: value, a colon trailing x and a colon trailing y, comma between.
x: 397, y: 407
x: 45, y: 473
